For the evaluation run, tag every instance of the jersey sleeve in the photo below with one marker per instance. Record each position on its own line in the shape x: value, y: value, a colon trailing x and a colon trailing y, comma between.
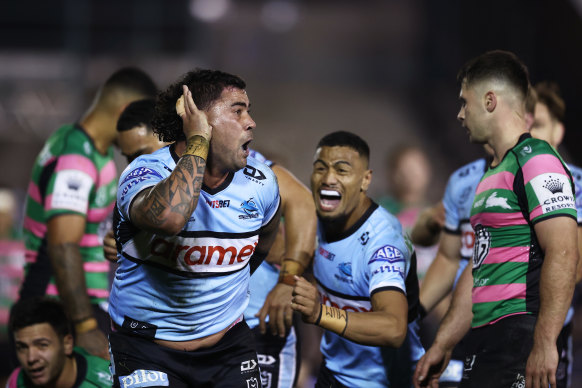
x: 70, y: 185
x: 577, y: 178
x: 387, y: 263
x: 452, y: 220
x: 139, y: 175
x: 269, y: 198
x: 548, y: 187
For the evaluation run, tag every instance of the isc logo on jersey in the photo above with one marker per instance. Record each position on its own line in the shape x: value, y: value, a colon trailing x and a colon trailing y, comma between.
x: 387, y: 253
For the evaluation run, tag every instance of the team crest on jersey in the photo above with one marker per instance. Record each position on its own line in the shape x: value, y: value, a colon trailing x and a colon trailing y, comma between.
x: 482, y: 245
x: 387, y: 253
x: 493, y: 200
x: 250, y: 208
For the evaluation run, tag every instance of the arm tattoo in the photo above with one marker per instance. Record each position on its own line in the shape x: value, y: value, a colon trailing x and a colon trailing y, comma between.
x: 178, y: 193
x: 69, y: 275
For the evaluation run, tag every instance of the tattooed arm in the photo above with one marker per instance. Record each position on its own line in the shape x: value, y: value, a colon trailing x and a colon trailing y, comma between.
x: 64, y: 233
x: 166, y: 207
x: 385, y: 325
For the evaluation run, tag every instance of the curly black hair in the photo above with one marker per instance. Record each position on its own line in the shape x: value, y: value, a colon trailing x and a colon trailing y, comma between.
x: 206, y: 87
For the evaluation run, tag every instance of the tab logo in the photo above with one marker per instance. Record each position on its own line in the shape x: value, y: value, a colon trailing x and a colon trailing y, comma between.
x: 144, y: 378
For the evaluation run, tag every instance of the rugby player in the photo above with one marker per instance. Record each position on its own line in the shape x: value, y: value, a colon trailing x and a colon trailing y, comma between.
x: 367, y: 290
x: 45, y: 349
x: 68, y: 210
x: 522, y: 285
x: 277, y: 342
x: 190, y: 224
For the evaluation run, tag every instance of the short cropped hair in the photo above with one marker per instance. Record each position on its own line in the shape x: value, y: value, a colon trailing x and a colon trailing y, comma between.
x: 346, y: 139
x: 206, y: 87
x: 496, y: 65
x: 36, y: 310
x: 549, y: 95
x: 131, y: 80
x: 136, y: 114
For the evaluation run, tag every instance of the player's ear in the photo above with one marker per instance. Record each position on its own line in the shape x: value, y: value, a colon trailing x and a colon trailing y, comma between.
x: 366, y: 180
x: 68, y: 344
x: 490, y: 101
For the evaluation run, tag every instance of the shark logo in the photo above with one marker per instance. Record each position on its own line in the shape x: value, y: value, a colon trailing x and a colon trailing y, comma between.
x: 345, y: 268
x: 249, y: 207
x: 494, y: 200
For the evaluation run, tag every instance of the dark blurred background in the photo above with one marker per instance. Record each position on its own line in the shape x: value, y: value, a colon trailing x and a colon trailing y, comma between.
x: 383, y: 69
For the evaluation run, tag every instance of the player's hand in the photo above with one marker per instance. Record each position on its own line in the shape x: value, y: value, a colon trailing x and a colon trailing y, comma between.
x: 194, y: 121
x: 541, y: 367
x: 94, y: 342
x: 306, y: 300
x: 430, y: 367
x: 278, y: 307
x: 109, y: 247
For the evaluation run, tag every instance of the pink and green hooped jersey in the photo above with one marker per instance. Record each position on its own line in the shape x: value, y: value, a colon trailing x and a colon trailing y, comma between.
x: 531, y: 184
x: 69, y: 177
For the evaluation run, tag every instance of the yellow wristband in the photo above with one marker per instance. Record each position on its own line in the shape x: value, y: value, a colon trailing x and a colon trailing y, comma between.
x: 333, y: 319
x: 288, y: 270
x: 197, y: 146
x: 86, y: 325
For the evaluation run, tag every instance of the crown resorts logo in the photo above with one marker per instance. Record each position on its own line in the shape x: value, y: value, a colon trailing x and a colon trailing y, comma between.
x: 554, y: 185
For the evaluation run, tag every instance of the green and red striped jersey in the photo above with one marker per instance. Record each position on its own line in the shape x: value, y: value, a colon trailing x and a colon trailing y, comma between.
x: 69, y: 177
x: 531, y: 184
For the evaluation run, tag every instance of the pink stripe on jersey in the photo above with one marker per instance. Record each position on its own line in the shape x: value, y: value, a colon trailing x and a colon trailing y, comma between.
x: 499, y: 292
x: 34, y: 192
x: 90, y: 240
x: 501, y: 180
x: 96, y: 266
x: 52, y: 290
x: 13, y: 379
x: 107, y: 174
x: 99, y: 214
x: 30, y: 256
x: 542, y: 164
x: 507, y: 254
x: 37, y: 228
x: 77, y: 162
x: 536, y: 212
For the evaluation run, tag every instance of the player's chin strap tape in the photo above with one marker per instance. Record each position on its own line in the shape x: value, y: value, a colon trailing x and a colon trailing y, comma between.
x: 256, y: 260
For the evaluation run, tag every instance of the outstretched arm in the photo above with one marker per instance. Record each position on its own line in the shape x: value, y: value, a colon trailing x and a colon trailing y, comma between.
x: 300, y: 228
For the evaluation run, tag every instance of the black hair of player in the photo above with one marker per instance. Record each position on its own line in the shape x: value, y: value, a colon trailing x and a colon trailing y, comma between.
x: 136, y: 114
x: 206, y: 87
x: 37, y: 310
x: 131, y: 80
x: 346, y: 139
x: 496, y: 65
x: 549, y: 94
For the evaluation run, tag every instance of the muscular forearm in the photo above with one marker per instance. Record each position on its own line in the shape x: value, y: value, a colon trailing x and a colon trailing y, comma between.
x: 166, y: 207
x: 69, y: 276
x: 556, y: 290
x: 457, y: 320
x: 366, y: 328
x: 438, y: 281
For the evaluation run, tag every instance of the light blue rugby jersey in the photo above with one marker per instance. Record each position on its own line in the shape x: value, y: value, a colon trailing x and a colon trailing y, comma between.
x: 196, y: 283
x: 265, y: 276
x: 371, y: 256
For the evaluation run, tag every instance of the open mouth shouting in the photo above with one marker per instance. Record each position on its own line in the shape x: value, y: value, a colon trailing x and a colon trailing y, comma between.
x: 329, y: 200
x: 245, y: 148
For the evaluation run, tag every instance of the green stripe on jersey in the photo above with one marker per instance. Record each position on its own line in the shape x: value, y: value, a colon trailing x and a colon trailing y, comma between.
x: 484, y: 313
x: 509, y: 273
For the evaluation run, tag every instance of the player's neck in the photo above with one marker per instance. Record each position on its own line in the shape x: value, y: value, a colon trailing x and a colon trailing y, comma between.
x: 505, y: 138
x: 68, y: 375
x: 101, y: 128
x: 213, y: 176
x: 337, y: 227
